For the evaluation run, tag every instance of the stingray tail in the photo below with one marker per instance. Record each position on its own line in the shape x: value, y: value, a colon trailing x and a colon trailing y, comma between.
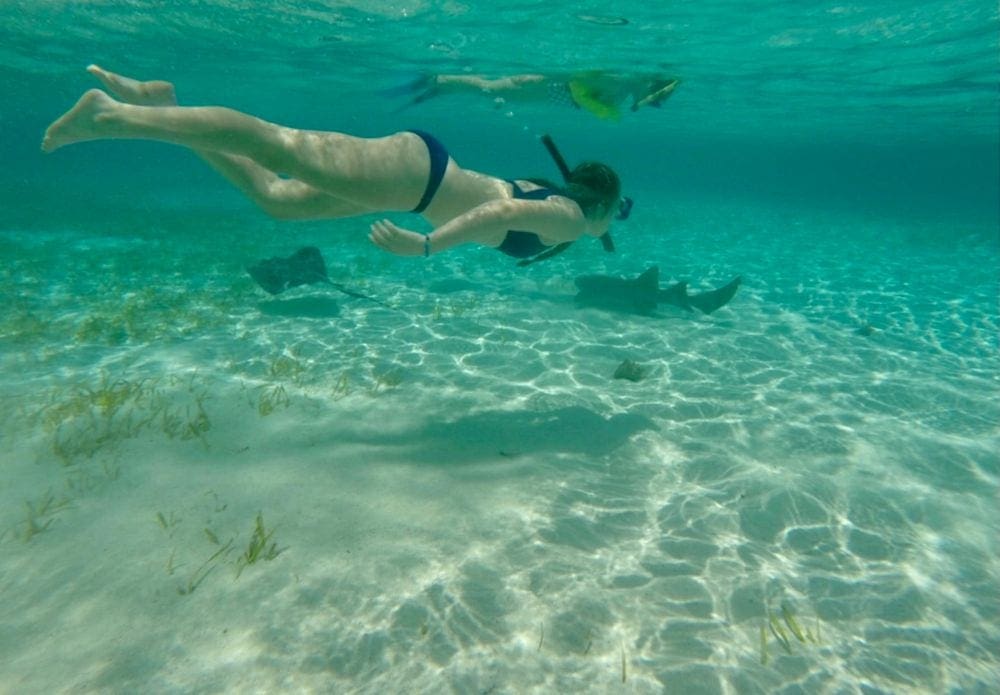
x: 353, y: 293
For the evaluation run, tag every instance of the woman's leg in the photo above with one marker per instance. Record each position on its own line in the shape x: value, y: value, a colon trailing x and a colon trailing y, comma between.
x: 285, y: 199
x: 278, y: 197
x: 387, y: 173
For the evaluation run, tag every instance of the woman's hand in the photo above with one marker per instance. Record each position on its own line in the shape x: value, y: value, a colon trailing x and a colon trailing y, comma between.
x: 402, y: 242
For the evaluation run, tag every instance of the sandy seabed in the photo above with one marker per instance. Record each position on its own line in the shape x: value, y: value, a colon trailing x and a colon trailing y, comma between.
x: 208, y: 490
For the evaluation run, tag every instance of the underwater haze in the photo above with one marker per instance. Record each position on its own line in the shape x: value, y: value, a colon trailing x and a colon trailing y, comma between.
x: 207, y: 489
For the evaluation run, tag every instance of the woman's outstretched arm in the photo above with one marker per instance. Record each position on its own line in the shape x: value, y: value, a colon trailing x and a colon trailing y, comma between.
x: 554, y: 220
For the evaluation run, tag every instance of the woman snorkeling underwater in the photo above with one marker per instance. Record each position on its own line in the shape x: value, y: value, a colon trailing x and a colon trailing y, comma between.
x: 307, y: 174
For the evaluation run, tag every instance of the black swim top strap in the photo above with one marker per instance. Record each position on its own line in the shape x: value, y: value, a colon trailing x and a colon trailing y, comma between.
x: 554, y: 251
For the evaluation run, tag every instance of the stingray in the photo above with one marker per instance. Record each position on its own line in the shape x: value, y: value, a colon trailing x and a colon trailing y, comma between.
x: 304, y: 267
x: 643, y: 295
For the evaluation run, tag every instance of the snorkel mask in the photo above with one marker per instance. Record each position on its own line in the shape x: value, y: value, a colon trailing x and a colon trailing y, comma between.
x: 624, y: 204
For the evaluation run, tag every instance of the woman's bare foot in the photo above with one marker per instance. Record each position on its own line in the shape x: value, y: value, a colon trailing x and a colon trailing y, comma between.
x: 151, y: 93
x: 80, y: 123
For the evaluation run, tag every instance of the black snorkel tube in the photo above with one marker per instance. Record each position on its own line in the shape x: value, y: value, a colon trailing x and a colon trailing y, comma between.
x: 556, y: 156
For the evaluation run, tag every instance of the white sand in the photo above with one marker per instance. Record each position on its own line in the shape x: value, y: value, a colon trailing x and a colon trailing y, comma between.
x: 464, y: 499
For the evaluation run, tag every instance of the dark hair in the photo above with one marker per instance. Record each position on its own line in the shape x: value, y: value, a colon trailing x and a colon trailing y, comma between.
x: 595, y: 187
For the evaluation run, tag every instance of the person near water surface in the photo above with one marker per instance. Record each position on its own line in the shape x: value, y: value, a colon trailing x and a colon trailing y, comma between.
x: 307, y: 174
x: 602, y: 93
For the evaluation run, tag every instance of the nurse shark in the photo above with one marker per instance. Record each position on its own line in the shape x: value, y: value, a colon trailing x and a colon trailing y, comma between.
x: 642, y: 295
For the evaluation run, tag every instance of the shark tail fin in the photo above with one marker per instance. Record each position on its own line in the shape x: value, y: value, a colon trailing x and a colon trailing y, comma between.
x: 707, y: 302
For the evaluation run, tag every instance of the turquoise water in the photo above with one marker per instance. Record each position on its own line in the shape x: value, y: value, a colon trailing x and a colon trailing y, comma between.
x: 461, y: 498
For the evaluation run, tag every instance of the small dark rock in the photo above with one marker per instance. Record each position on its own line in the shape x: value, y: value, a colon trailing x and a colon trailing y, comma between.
x: 630, y: 370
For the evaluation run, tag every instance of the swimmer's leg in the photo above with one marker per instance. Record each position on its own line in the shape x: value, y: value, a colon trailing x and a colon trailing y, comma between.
x: 387, y: 173
x: 136, y: 92
x: 278, y: 197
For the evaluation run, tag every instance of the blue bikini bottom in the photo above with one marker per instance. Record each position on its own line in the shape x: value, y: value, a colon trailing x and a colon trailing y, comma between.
x: 439, y: 162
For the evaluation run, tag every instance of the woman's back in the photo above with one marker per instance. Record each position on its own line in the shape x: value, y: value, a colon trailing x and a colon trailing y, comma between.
x: 464, y: 189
